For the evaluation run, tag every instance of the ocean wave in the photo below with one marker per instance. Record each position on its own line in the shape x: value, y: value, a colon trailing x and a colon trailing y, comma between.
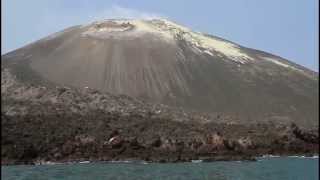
x: 269, y: 156
x: 307, y: 157
x: 295, y: 156
x: 128, y: 161
x: 196, y: 161
x: 84, y: 162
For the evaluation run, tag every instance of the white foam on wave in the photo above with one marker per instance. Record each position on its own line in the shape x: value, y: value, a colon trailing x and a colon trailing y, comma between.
x: 196, y: 161
x: 84, y: 162
x: 295, y: 156
x: 128, y: 161
x: 47, y: 163
x: 306, y: 157
x: 270, y: 156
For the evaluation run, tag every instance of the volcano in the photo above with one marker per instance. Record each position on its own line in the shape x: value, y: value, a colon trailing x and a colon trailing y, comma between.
x: 160, y: 61
x: 152, y: 90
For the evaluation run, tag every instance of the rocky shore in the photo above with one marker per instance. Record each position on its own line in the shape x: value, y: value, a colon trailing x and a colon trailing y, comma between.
x: 62, y: 124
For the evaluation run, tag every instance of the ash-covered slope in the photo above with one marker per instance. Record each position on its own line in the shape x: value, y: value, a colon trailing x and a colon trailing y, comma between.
x: 161, y: 61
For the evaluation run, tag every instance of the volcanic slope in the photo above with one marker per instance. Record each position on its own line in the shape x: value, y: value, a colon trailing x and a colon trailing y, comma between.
x: 163, y: 62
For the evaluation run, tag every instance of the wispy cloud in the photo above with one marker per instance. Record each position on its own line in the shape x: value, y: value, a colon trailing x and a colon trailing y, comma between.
x: 51, y: 21
x: 55, y: 21
x: 116, y: 11
x: 47, y: 17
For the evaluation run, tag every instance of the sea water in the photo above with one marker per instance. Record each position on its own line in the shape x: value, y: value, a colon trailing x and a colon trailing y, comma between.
x: 268, y: 168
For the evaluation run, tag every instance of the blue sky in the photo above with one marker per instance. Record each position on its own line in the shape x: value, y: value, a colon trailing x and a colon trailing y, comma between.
x: 288, y: 28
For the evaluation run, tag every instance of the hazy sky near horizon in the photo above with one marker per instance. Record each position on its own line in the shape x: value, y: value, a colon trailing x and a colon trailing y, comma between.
x: 288, y: 28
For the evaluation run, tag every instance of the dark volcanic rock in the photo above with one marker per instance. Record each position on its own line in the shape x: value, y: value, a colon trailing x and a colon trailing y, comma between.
x: 65, y: 124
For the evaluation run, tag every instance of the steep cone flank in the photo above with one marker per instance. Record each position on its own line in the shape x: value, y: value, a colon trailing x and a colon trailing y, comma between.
x: 161, y: 61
